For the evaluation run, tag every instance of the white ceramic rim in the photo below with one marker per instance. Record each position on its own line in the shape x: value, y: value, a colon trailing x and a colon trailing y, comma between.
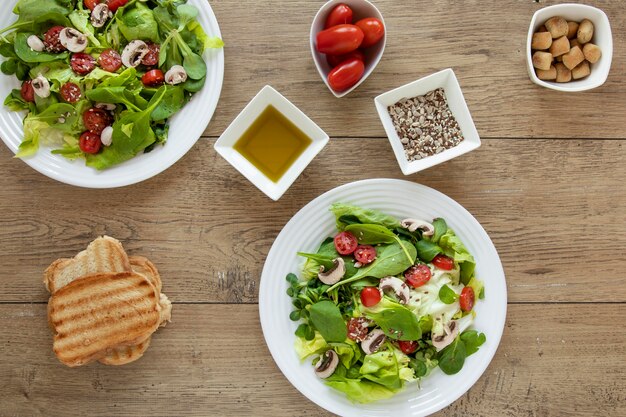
x: 368, y: 71
x: 315, y: 214
x: 571, y: 87
x: 186, y: 127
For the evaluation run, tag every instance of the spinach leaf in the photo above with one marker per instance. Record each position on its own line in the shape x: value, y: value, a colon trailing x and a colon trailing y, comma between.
x: 390, y: 260
x: 349, y: 219
x: 325, y: 260
x: 363, y: 215
x: 467, y: 272
x: 452, y: 357
x: 33, y: 14
x: 447, y: 295
x: 138, y: 22
x: 427, y: 250
x: 472, y: 340
x: 397, y: 321
x: 371, y: 234
x: 172, y: 102
x: 26, y: 54
x: 441, y: 228
x: 326, y: 318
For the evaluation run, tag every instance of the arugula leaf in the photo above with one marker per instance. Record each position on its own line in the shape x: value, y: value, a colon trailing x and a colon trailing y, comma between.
x: 472, y: 340
x: 447, y: 295
x: 371, y: 234
x: 452, y: 357
x: 327, y: 319
x: 172, y: 102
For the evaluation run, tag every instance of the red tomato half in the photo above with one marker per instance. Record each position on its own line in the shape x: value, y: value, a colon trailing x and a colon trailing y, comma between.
x: 339, y: 40
x: 373, y: 30
x: 153, y: 78
x: 70, y: 92
x: 95, y: 120
x: 345, y: 243
x: 444, y: 262
x: 346, y: 74
x: 28, y: 92
x: 91, y: 4
x: 152, y: 57
x: 334, y: 60
x: 365, y: 254
x: 357, y: 328
x: 466, y: 299
x: 417, y: 275
x: 408, y: 347
x: 370, y: 296
x: 116, y: 4
x: 82, y: 63
x: 110, y: 60
x: 51, y: 40
x: 340, y: 15
x: 89, y: 142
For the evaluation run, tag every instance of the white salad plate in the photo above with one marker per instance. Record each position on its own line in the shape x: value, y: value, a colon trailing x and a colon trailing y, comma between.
x: 311, y: 225
x: 186, y: 127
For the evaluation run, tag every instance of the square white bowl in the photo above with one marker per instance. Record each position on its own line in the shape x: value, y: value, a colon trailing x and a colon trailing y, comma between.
x: 456, y: 102
x: 602, y: 37
x: 270, y: 97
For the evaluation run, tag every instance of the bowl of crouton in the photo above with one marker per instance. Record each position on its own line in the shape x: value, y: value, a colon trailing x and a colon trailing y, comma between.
x: 569, y: 47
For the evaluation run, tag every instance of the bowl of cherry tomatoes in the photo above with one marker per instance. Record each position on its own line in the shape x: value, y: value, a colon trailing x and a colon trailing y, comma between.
x: 348, y: 39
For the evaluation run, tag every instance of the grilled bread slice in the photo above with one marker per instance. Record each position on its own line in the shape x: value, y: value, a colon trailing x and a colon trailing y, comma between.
x: 146, y: 268
x: 125, y: 354
x: 104, y: 254
x: 98, y: 311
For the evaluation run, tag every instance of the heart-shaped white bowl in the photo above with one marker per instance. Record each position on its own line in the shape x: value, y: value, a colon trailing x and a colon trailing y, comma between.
x: 373, y: 54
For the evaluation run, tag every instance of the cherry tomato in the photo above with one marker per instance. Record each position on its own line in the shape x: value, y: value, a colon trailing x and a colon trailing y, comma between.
x: 91, y: 4
x: 346, y: 74
x: 82, y: 63
x: 345, y: 243
x: 110, y: 60
x: 116, y: 4
x: 370, y: 296
x: 70, y: 92
x: 466, y: 299
x: 365, y: 254
x: 334, y: 60
x: 152, y: 57
x: 417, y: 275
x: 373, y: 30
x: 339, y: 40
x: 51, y: 39
x: 153, y: 78
x: 443, y: 262
x: 340, y: 15
x: 357, y: 328
x: 28, y: 92
x: 408, y: 346
x: 95, y: 120
x: 90, y: 142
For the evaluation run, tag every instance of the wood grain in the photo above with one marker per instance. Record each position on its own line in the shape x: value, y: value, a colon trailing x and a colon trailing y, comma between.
x: 484, y: 42
x: 212, y: 360
x: 554, y: 211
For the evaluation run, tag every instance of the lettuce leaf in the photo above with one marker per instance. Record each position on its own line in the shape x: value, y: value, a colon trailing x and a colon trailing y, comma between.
x: 305, y: 348
x: 453, y: 247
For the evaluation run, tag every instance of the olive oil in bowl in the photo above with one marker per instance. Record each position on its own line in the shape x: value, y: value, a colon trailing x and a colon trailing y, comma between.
x: 272, y: 143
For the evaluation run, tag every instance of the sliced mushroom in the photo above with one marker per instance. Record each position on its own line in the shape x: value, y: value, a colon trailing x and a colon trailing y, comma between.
x: 35, y: 43
x: 41, y: 86
x: 106, y: 137
x: 334, y: 274
x: 134, y: 52
x: 176, y: 75
x: 442, y: 340
x: 414, y: 224
x: 106, y: 106
x: 73, y: 40
x: 397, y: 286
x: 327, y: 364
x: 373, y: 341
x: 99, y: 15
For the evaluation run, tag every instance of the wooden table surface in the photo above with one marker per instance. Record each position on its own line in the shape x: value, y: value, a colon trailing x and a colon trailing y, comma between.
x: 548, y: 185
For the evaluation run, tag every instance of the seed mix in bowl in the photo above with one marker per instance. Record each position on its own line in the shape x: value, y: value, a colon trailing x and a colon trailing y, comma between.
x: 425, y: 125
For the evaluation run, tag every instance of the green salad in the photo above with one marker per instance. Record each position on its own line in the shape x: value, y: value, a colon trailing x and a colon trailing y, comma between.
x: 101, y: 78
x: 384, y: 302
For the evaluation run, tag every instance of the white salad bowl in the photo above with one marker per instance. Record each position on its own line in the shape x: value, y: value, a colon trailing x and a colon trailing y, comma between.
x: 310, y: 226
x: 373, y: 54
x: 456, y: 102
x: 270, y: 97
x: 602, y: 37
x: 186, y: 127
